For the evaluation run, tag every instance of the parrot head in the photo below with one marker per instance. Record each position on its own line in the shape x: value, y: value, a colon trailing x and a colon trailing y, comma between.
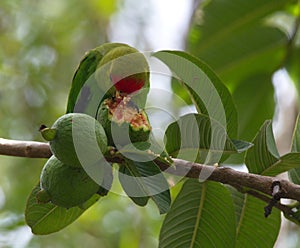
x: 128, y: 69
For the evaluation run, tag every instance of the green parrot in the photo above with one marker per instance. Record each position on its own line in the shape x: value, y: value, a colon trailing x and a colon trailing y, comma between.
x: 109, y: 68
x: 128, y: 69
x: 85, y: 70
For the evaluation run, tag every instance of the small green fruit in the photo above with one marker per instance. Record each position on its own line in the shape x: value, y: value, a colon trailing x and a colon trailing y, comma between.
x: 65, y: 186
x: 76, y: 139
x: 123, y: 122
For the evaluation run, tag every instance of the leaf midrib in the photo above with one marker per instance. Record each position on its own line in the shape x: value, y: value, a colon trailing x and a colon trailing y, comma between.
x: 281, y: 162
x: 202, y: 200
x: 224, y: 69
x: 137, y: 175
x: 271, y: 167
x: 241, y: 216
x: 209, y: 42
x: 45, y: 216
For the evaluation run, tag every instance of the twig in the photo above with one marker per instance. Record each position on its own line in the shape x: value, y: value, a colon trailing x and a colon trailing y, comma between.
x: 234, y: 178
x: 29, y: 149
x: 237, y: 179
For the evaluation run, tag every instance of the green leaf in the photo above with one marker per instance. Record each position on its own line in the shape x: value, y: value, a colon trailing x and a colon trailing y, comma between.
x: 254, y: 230
x: 241, y: 145
x: 264, y: 152
x: 177, y: 88
x: 254, y: 99
x: 235, y: 40
x: 81, y: 92
x: 263, y: 157
x: 107, y: 182
x: 145, y: 151
x: 251, y: 222
x: 209, y: 94
x: 294, y: 216
x: 293, y: 63
x: 144, y: 180
x: 202, y: 215
x: 296, y: 136
x: 286, y: 163
x: 132, y: 183
x: 49, y: 218
x: 156, y: 183
x: 196, y: 137
x: 294, y: 174
x: 238, y: 202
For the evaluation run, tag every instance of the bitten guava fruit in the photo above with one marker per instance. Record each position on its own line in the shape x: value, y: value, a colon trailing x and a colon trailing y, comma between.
x: 76, y: 139
x: 64, y: 185
x: 123, y: 122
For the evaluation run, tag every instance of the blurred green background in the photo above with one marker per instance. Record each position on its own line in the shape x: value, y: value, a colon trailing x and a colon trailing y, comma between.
x: 41, y: 44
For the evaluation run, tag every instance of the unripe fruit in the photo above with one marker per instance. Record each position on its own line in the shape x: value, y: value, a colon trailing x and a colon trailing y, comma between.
x: 76, y: 138
x: 65, y: 186
x: 123, y: 122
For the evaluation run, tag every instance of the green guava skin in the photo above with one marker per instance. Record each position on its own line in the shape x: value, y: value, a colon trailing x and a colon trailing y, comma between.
x: 136, y: 133
x: 62, y: 146
x: 65, y: 185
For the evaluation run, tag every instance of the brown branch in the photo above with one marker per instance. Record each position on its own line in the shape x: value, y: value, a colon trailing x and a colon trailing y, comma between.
x: 237, y: 179
x: 234, y: 178
x: 28, y: 149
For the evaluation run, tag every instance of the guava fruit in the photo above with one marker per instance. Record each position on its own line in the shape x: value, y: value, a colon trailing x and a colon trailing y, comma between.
x: 123, y: 122
x: 64, y: 185
x: 76, y: 139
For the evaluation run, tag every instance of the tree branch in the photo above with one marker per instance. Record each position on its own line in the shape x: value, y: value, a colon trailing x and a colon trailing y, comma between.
x: 237, y: 179
x: 28, y: 149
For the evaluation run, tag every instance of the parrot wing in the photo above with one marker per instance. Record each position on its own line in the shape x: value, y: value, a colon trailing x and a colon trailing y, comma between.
x: 85, y: 70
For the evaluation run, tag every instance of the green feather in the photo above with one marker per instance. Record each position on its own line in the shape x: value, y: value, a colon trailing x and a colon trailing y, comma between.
x: 86, y: 69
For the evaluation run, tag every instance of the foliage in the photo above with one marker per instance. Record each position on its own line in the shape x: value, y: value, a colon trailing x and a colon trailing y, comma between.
x: 47, y: 218
x: 239, y: 46
x: 41, y: 46
x: 244, y: 47
x: 210, y: 141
